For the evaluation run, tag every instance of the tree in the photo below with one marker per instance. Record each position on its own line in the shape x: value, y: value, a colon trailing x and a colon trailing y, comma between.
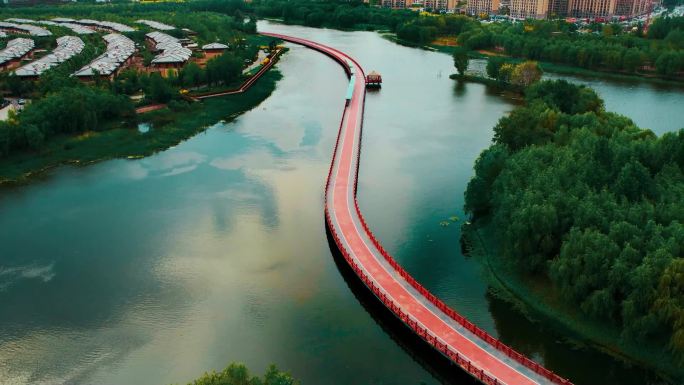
x: 238, y: 374
x: 565, y: 96
x: 191, y: 75
x: 506, y: 72
x: 460, y: 56
x: 494, y: 63
x: 586, y: 200
x: 34, y: 137
x: 632, y: 60
x: 675, y: 39
x: 159, y: 90
x: 527, y: 73
x: 225, y: 69
x: 669, y: 63
x: 487, y: 168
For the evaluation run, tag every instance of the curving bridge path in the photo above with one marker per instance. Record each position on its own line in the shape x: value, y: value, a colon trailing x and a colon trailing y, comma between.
x: 473, y: 349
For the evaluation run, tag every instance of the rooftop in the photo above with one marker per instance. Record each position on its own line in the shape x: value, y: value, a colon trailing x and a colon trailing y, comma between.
x: 119, y: 49
x: 172, y: 51
x: 215, y: 45
x: 25, y: 28
x: 67, y: 47
x: 79, y: 29
x: 156, y: 25
x: 110, y: 25
x: 15, y: 49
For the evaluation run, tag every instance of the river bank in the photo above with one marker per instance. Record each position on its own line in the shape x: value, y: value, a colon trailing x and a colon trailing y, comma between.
x: 540, y: 302
x: 515, y: 91
x: 168, y: 128
x: 555, y: 68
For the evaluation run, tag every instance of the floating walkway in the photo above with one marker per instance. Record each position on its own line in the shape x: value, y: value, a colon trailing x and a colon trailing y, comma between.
x: 473, y: 349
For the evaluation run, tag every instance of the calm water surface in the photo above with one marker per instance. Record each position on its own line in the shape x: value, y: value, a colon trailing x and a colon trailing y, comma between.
x: 156, y: 270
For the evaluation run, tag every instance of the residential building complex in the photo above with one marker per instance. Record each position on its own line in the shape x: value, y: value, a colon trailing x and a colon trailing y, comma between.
x: 396, y: 4
x: 76, y: 28
x: 212, y: 50
x: 108, y: 26
x: 427, y: 4
x: 120, y: 50
x: 607, y: 8
x: 67, y: 47
x: 156, y: 25
x: 24, y: 29
x: 541, y: 9
x: 529, y: 9
x: 442, y: 5
x: 14, y: 52
x: 488, y: 7
x: 171, y: 52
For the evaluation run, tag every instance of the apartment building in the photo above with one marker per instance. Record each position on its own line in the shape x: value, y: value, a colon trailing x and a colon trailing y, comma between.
x: 541, y: 9
x: 591, y: 8
x: 395, y: 4
x: 441, y: 5
x: 529, y: 9
x: 477, y: 7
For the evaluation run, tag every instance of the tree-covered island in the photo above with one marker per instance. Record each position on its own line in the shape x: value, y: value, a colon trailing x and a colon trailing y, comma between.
x: 578, y: 213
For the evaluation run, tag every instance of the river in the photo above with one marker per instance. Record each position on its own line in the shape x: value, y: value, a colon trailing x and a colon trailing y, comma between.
x: 153, y: 271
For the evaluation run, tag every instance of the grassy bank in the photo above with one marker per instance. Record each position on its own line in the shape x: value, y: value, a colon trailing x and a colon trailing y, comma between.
x: 507, y: 87
x: 536, y: 297
x: 169, y: 128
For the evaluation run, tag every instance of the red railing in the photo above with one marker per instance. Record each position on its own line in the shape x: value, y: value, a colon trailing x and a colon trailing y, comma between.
x: 246, y: 85
x: 420, y: 330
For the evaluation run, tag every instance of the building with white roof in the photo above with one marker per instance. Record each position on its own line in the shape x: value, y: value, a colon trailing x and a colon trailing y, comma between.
x: 215, y: 46
x: 156, y: 25
x: 67, y: 47
x: 104, y: 25
x: 18, y: 20
x: 172, y: 53
x: 120, y: 50
x: 14, y: 51
x: 212, y: 50
x: 24, y: 28
x: 76, y: 28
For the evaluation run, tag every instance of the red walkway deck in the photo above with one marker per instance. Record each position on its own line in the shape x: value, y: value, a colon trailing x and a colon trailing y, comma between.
x: 478, y: 353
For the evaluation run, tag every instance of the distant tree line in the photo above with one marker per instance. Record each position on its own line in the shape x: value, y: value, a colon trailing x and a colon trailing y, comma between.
x: 588, y: 200
x: 558, y: 42
x: 335, y: 14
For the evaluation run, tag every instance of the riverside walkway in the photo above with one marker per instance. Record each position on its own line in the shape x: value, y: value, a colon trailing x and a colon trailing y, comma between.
x: 473, y: 349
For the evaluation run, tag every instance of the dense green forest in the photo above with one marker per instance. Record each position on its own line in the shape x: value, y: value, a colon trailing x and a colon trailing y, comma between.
x: 591, y: 202
x: 238, y: 374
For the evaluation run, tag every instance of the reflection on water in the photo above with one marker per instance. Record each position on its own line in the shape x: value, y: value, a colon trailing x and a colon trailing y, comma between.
x: 156, y: 270
x: 144, y: 127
